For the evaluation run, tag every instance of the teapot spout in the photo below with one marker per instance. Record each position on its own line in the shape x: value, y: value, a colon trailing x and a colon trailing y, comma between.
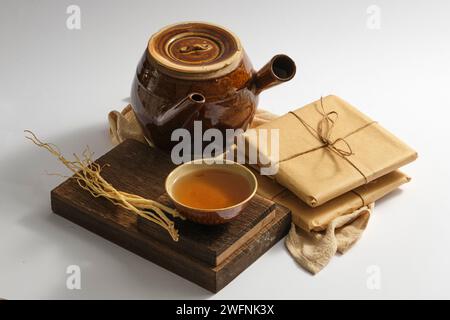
x: 279, y: 69
x: 184, y: 110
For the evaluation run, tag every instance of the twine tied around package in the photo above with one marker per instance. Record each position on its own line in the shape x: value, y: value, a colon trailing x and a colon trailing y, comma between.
x: 323, y: 134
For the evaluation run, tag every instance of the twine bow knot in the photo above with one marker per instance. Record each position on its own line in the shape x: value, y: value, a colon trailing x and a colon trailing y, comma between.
x: 324, y: 130
x: 325, y: 126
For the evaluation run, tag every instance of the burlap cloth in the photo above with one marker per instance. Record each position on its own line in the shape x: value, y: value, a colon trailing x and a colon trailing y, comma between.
x: 311, y: 249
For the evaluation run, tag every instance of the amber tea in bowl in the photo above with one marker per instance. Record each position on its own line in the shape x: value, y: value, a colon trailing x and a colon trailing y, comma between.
x: 211, y: 193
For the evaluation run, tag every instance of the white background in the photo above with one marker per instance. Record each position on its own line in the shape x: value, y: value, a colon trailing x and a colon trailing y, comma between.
x: 61, y: 84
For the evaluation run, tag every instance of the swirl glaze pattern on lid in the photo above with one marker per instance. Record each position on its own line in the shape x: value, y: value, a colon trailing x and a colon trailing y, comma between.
x: 195, y: 50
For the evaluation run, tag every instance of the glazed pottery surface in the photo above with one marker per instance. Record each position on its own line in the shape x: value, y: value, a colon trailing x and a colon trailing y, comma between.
x: 216, y: 215
x: 198, y: 71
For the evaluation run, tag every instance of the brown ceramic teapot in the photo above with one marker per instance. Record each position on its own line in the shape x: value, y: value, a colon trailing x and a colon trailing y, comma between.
x: 199, y: 71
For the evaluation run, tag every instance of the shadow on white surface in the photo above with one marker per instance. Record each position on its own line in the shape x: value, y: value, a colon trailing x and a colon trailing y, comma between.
x: 108, y: 271
x: 388, y: 198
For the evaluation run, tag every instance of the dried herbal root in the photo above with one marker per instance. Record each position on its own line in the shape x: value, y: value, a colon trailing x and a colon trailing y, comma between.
x: 87, y: 174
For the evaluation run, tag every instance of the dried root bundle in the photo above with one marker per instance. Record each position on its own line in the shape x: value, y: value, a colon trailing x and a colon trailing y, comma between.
x: 87, y: 174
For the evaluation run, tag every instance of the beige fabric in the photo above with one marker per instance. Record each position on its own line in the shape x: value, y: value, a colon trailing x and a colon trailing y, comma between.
x: 317, y: 174
x: 123, y: 125
x: 314, y: 250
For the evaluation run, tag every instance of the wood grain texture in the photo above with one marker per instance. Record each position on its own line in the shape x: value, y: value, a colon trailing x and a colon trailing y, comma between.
x: 120, y: 226
x: 213, y: 244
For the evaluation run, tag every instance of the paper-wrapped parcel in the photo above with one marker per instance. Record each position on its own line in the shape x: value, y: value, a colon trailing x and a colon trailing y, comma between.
x: 328, y: 148
x: 318, y: 218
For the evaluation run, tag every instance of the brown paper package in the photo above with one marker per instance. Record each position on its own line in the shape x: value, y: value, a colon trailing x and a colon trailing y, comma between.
x: 317, y: 172
x: 318, y: 218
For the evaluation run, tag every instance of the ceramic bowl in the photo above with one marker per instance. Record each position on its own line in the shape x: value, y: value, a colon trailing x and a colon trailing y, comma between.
x: 217, y: 215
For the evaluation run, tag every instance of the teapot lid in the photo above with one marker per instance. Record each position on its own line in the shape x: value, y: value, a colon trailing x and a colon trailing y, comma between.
x: 195, y: 50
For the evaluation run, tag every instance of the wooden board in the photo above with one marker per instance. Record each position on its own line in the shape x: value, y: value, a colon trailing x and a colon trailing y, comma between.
x: 211, y: 259
x: 213, y: 244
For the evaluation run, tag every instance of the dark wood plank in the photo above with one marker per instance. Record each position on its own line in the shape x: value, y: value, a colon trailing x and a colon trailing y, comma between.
x: 213, y: 244
x: 139, y: 169
x: 211, y: 278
